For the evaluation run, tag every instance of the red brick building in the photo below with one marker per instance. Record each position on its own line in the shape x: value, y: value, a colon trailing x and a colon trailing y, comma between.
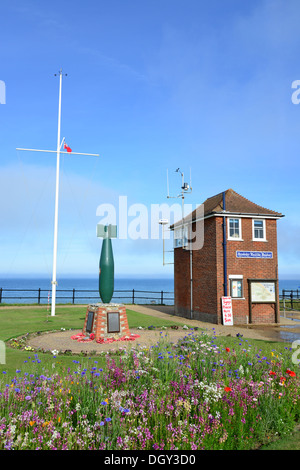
x: 238, y: 259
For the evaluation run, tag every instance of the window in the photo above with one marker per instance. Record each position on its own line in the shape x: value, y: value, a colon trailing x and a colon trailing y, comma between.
x: 259, y: 229
x: 236, y: 288
x: 181, y: 237
x: 234, y: 229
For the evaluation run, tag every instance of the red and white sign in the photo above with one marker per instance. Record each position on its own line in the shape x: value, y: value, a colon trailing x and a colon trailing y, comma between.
x: 227, y: 311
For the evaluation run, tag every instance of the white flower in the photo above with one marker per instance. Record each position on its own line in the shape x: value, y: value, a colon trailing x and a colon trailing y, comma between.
x: 54, y: 352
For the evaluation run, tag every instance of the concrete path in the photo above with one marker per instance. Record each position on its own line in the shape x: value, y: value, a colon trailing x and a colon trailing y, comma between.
x: 288, y: 329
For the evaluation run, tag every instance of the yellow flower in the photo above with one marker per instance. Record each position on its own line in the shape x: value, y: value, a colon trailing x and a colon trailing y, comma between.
x: 31, y: 423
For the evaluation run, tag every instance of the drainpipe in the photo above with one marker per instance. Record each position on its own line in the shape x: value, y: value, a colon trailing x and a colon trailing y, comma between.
x: 191, y: 281
x: 224, y: 247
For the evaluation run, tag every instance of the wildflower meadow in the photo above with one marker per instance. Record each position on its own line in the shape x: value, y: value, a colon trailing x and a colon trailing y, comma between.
x: 197, y: 394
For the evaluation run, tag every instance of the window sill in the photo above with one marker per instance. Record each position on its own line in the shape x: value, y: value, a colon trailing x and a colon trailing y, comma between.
x: 238, y: 298
x: 235, y: 239
x: 259, y: 240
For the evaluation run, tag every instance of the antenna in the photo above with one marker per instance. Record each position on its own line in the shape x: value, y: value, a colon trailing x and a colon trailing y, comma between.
x: 185, y: 189
x: 168, y: 194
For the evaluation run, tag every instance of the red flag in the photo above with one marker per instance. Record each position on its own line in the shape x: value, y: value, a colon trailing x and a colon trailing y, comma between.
x: 68, y: 149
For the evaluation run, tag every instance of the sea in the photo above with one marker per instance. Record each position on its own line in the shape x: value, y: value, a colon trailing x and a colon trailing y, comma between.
x: 85, y: 290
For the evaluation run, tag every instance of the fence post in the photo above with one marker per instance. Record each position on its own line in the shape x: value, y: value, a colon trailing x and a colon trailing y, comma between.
x: 39, y: 296
x: 162, y: 297
x: 292, y: 305
x: 133, y: 296
x: 73, y: 300
x: 0, y: 295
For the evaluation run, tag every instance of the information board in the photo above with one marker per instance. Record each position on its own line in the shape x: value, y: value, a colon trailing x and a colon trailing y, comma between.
x: 263, y: 292
x: 227, y: 310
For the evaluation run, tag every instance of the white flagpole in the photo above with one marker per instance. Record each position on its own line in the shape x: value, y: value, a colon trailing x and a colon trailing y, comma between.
x: 58, y: 152
x: 54, y: 282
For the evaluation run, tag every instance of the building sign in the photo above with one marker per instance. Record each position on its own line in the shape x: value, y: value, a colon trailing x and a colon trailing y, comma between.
x: 263, y: 292
x: 255, y: 254
x: 227, y: 311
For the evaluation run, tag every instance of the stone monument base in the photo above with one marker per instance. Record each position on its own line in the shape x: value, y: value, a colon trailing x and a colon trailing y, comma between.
x: 105, y: 321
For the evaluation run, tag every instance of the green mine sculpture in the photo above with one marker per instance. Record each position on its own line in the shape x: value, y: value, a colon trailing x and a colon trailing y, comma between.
x: 106, y: 263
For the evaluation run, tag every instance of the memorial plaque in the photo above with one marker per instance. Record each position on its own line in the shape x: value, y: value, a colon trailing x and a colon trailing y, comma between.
x: 113, y: 322
x: 89, y: 323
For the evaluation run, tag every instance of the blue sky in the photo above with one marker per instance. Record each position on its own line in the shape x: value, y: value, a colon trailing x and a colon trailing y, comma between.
x: 152, y: 85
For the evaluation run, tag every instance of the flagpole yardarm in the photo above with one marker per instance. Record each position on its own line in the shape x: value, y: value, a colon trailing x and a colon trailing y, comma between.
x: 55, y: 151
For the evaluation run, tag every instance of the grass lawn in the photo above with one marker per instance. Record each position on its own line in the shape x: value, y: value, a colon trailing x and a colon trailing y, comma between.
x: 16, y: 322
x: 19, y: 321
x: 291, y: 442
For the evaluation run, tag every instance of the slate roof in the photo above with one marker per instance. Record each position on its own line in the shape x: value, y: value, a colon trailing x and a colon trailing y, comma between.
x: 234, y: 203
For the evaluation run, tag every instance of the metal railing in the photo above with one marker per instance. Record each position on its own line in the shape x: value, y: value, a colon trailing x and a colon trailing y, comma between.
x: 290, y: 298
x: 74, y: 296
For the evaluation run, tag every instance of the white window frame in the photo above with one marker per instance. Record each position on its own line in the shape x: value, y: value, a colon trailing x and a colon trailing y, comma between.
x: 240, y: 229
x: 236, y: 277
x: 181, y: 237
x: 264, y: 231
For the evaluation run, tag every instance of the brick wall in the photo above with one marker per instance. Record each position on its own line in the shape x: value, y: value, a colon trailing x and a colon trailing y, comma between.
x: 204, y: 277
x: 208, y: 278
x: 250, y: 268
